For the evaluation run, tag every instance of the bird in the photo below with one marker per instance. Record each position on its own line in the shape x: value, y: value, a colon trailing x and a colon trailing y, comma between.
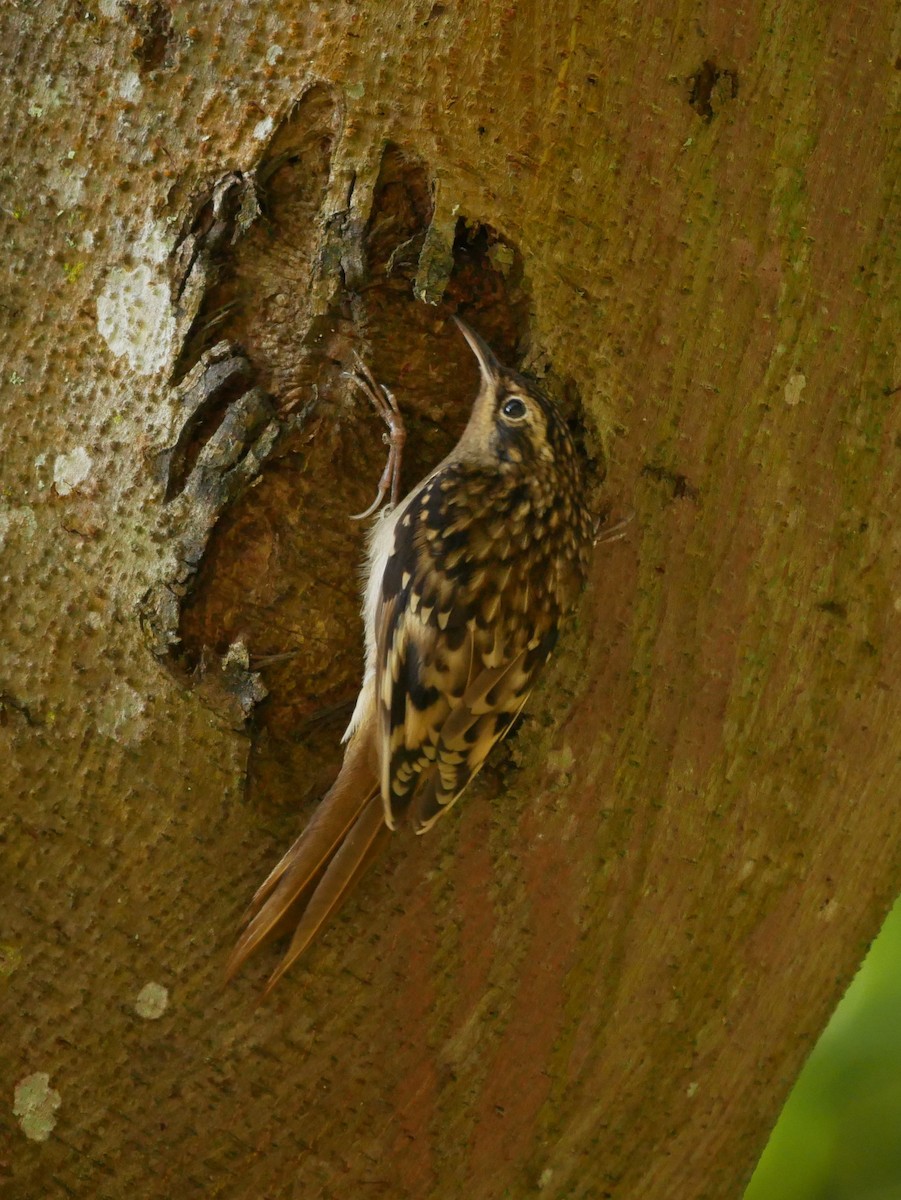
x: 467, y: 580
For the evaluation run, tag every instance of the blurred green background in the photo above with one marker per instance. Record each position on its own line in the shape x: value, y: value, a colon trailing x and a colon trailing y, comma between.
x: 839, y: 1135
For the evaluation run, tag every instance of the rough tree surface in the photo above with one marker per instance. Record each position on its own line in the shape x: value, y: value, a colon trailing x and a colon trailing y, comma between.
x: 600, y: 975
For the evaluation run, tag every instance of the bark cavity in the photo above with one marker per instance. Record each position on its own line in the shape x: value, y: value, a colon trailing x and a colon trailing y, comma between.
x: 283, y: 273
x: 710, y: 88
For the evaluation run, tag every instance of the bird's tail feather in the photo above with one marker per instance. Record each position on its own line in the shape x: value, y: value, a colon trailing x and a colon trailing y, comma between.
x: 321, y: 867
x: 342, y: 872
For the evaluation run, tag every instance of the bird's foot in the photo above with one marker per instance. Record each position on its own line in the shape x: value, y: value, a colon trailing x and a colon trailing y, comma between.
x: 386, y: 406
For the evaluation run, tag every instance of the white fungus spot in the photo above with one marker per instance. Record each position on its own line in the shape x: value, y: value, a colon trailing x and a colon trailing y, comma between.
x: 69, y: 470
x: 130, y: 85
x: 34, y: 1105
x: 794, y: 386
x: 273, y: 54
x: 263, y: 129
x: 155, y: 243
x: 135, y: 318
x: 152, y: 1001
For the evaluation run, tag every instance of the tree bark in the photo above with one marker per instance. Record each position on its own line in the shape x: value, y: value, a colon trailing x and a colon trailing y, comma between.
x: 600, y: 975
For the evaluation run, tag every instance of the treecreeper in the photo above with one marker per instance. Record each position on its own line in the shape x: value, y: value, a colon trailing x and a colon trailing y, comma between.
x: 466, y: 582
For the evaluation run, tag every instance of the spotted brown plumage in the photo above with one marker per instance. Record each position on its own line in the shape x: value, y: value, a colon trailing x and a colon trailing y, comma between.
x: 468, y: 578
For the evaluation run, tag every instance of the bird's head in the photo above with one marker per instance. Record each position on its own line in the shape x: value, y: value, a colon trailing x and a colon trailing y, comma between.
x: 513, y: 421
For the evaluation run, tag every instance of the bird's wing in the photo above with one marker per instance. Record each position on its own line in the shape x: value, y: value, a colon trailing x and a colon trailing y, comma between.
x: 493, y: 699
x: 425, y: 657
x: 451, y: 675
x: 423, y: 670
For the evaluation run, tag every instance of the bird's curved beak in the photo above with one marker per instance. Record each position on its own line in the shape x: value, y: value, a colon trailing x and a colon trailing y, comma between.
x: 488, y: 364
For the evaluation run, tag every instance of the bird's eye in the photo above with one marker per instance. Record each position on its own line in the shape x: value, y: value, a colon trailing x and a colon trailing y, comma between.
x: 514, y: 408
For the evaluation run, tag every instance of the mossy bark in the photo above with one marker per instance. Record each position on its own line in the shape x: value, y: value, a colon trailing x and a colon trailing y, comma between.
x: 600, y: 975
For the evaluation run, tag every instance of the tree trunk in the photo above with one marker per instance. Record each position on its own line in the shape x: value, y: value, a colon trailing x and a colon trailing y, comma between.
x: 600, y: 975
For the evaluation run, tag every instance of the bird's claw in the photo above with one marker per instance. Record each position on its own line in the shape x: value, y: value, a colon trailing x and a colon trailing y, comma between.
x: 386, y: 406
x: 616, y: 531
